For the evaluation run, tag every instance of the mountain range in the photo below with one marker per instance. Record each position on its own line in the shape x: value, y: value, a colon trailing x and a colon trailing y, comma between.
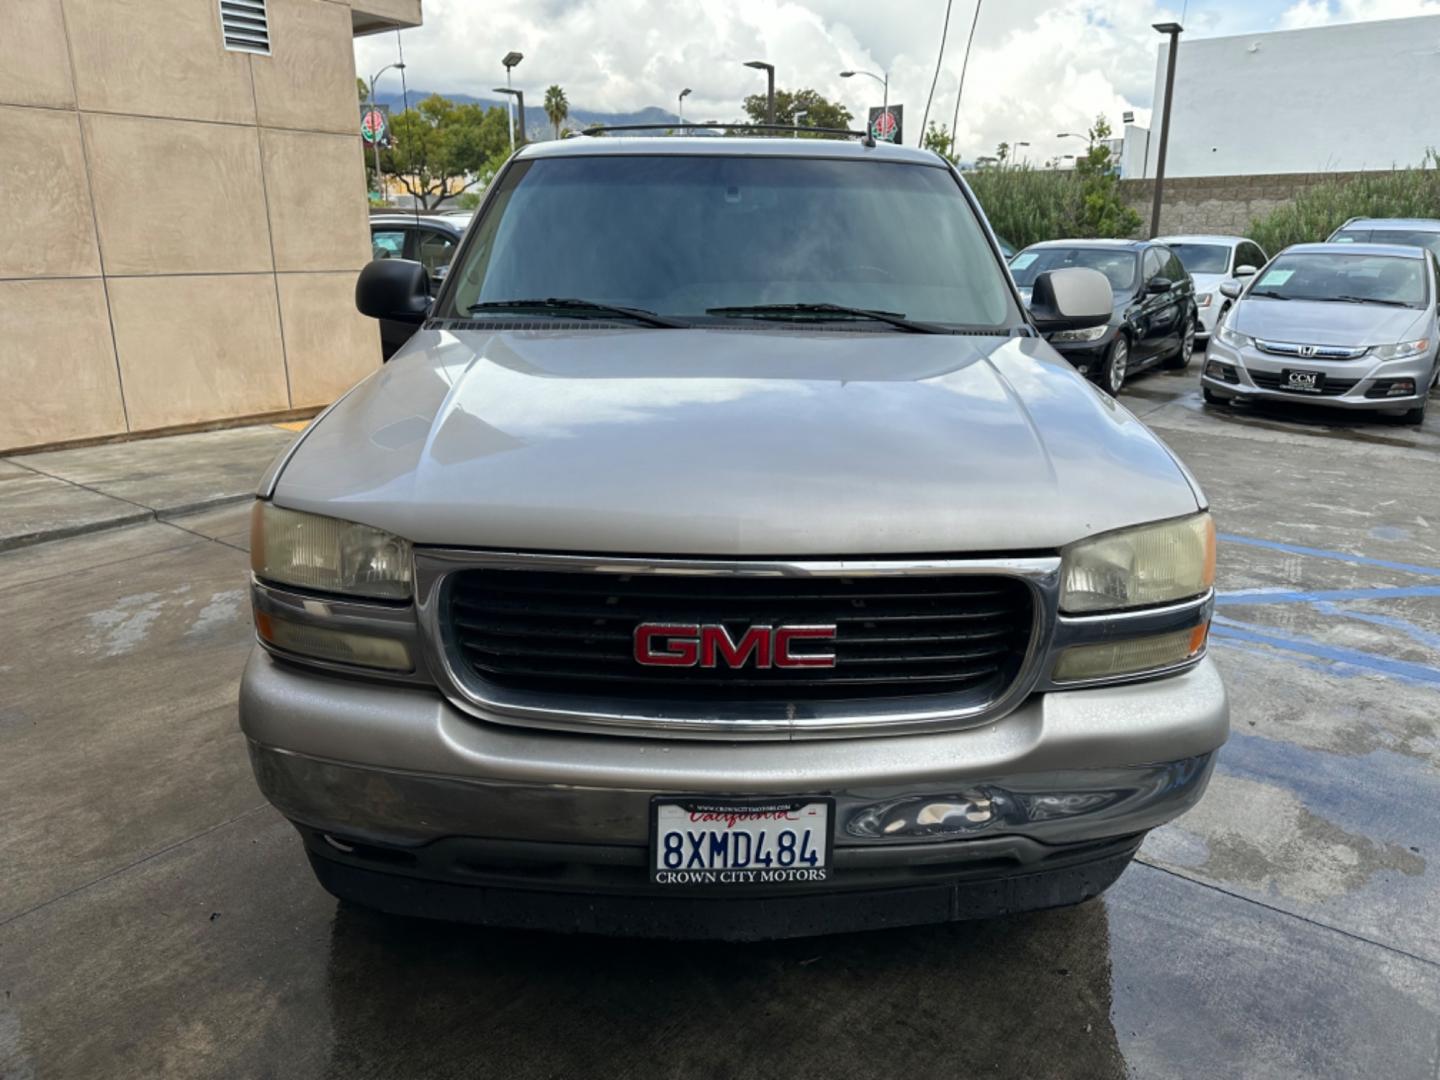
x: 536, y: 124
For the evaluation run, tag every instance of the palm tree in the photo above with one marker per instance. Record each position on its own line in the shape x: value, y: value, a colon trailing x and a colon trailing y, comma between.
x: 556, y: 107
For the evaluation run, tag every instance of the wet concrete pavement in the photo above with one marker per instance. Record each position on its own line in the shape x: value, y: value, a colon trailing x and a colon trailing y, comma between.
x: 157, y: 919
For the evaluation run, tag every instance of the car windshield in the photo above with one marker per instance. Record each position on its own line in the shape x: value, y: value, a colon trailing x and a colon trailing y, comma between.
x: 1407, y: 237
x: 1117, y: 265
x: 681, y: 235
x: 1381, y: 279
x: 1203, y: 258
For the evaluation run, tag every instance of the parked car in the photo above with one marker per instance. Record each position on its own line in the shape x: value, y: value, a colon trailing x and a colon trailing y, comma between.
x: 1421, y: 232
x: 1346, y: 324
x: 430, y: 240
x: 1153, y: 320
x: 1006, y: 247
x: 1211, y: 261
x: 704, y: 569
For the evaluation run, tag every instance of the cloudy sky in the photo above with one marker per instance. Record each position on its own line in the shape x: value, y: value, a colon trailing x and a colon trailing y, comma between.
x: 1037, y: 66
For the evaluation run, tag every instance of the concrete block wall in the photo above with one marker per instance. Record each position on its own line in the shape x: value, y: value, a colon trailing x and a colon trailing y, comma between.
x: 184, y: 223
x: 1218, y: 204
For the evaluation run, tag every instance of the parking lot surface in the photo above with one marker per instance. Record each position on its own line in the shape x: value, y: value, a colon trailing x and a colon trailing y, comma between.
x: 157, y: 918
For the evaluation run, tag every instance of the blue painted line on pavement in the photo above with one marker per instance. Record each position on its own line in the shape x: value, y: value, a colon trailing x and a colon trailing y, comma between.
x: 1228, y: 629
x: 1282, y: 596
x: 1322, y: 553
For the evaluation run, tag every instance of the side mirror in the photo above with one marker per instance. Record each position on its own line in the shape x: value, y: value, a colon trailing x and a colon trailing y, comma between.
x: 1246, y: 271
x: 1156, y: 286
x: 393, y: 289
x: 1231, y: 290
x: 1071, y: 299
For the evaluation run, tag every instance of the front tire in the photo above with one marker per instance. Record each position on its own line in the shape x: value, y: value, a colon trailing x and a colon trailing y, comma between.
x: 1183, y: 355
x: 1415, y: 416
x: 1115, y: 365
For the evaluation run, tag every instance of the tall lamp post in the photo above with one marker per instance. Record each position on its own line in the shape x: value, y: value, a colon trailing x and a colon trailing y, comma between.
x: 884, y: 83
x: 510, y: 59
x: 769, y: 69
x: 518, y: 96
x: 1014, y: 146
x: 681, y: 104
x: 380, y: 184
x: 1173, y: 31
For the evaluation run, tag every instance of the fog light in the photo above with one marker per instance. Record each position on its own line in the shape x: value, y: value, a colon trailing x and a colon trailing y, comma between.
x: 1401, y: 388
x: 1113, y: 658
x: 338, y: 646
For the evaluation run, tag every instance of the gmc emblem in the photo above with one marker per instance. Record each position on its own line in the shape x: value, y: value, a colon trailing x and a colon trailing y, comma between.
x: 710, y: 645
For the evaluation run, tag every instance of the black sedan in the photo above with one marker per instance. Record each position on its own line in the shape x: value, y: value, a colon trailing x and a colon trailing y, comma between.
x: 1154, y: 317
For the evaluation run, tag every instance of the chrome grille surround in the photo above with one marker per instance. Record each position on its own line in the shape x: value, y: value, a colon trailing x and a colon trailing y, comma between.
x: 1311, y: 352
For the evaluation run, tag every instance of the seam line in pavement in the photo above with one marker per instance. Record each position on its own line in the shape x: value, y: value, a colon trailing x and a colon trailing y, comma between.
x: 129, y: 866
x: 1291, y: 914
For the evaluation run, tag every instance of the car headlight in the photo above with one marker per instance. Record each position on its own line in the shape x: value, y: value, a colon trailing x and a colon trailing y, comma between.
x: 1236, y: 340
x: 1204, y: 299
x: 326, y: 554
x: 1093, y: 333
x: 1139, y: 567
x: 1401, y: 351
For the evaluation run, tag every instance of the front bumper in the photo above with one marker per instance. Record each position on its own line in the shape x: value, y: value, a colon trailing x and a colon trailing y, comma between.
x: 429, y: 801
x: 1237, y: 373
x: 1086, y: 356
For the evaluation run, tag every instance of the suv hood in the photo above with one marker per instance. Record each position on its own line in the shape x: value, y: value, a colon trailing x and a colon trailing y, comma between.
x: 732, y: 442
x: 1314, y: 322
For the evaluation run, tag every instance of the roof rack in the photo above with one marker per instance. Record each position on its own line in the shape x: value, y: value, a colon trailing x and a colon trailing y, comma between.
x: 864, y: 136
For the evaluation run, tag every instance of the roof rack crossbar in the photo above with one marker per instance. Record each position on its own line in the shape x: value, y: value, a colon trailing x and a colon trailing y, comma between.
x: 599, y: 129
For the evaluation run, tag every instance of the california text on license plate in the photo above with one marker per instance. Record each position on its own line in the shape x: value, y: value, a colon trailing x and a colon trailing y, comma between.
x: 707, y: 841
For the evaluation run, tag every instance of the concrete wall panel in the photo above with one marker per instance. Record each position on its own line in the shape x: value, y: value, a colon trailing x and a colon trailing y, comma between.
x: 34, y: 61
x: 315, y: 182
x: 329, y: 346
x: 50, y: 228
x: 198, y: 348
x: 57, y: 363
x: 309, y: 80
x: 174, y: 196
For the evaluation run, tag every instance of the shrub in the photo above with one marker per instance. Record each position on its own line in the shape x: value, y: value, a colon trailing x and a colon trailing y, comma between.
x: 1318, y: 211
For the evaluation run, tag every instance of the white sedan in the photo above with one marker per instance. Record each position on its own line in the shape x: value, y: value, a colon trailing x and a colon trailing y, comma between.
x: 1211, y: 261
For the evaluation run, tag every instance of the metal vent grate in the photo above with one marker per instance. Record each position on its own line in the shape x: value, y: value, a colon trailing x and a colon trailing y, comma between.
x: 245, y: 26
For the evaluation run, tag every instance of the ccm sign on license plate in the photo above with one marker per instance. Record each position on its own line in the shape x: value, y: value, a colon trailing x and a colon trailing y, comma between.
x: 719, y: 842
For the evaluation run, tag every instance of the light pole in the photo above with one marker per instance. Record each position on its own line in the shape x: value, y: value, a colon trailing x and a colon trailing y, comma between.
x: 681, y: 103
x: 1072, y: 135
x: 518, y: 96
x: 796, y: 119
x: 769, y: 69
x: 510, y: 59
x: 1173, y: 30
x: 379, y: 184
x: 1014, y: 146
x: 884, y: 83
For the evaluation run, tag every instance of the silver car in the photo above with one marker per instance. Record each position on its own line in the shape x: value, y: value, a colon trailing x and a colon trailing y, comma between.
x: 728, y: 555
x: 1347, y: 325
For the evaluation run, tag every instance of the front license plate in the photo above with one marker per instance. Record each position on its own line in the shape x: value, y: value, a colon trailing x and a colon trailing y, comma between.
x: 732, y: 842
x: 1308, y: 382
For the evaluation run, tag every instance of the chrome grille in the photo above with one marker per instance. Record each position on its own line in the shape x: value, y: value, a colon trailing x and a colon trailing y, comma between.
x: 572, y: 632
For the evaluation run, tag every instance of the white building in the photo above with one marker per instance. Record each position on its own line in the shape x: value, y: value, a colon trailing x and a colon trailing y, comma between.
x: 1324, y: 99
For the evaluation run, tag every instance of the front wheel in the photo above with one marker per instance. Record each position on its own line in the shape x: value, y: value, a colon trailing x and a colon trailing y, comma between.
x: 1181, y: 360
x: 1115, y: 365
x: 1212, y: 398
x: 1413, y: 416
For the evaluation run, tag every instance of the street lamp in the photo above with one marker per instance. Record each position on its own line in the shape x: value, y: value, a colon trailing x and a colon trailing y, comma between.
x: 379, y: 184
x: 683, y: 95
x: 769, y: 69
x: 517, y: 96
x: 1173, y: 31
x: 510, y: 59
x: 885, y: 83
x: 1016, y: 146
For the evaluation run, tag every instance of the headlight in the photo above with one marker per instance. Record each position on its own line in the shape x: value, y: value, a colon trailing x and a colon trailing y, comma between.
x: 1235, y: 340
x: 328, y: 555
x: 1401, y: 351
x: 1094, y: 333
x: 1204, y: 299
x: 1151, y: 564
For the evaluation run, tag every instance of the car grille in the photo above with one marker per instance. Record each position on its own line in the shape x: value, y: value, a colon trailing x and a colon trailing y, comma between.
x: 1272, y: 380
x: 567, y: 632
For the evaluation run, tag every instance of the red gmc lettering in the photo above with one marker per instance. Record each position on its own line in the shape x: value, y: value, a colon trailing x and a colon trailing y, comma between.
x: 710, y: 646
x: 786, y: 634
x: 682, y: 649
x: 716, y: 640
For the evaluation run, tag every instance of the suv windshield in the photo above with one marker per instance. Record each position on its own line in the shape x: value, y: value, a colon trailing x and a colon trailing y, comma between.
x: 1117, y: 265
x: 1380, y: 279
x: 1203, y: 258
x: 681, y: 235
x: 1406, y: 237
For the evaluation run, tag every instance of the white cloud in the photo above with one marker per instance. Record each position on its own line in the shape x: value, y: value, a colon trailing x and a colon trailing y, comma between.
x: 1304, y: 13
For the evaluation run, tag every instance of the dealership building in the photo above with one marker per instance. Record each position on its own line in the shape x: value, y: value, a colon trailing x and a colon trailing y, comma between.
x: 186, y: 212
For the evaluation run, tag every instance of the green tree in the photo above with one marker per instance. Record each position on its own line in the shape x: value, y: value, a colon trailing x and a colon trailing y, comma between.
x: 556, y: 107
x: 819, y: 113
x: 1103, y: 210
x: 1002, y: 153
x: 440, y: 149
x: 363, y: 89
x: 941, y: 140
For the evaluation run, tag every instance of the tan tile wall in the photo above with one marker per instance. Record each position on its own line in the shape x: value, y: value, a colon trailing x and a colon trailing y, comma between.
x: 184, y: 223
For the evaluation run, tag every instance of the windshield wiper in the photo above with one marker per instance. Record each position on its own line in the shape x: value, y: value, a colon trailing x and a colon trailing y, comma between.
x: 571, y: 304
x: 789, y: 310
x: 1370, y: 300
x: 1271, y: 295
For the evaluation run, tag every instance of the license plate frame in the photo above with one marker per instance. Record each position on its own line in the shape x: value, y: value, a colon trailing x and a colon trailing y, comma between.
x: 1316, y: 380
x: 746, y: 874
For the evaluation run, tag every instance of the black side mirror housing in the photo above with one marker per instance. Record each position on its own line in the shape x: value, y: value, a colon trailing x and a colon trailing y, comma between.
x: 1159, y: 285
x: 1231, y: 290
x: 1073, y: 298
x: 395, y: 289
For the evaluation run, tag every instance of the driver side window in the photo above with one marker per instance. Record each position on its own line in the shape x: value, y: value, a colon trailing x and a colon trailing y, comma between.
x: 1153, y: 266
